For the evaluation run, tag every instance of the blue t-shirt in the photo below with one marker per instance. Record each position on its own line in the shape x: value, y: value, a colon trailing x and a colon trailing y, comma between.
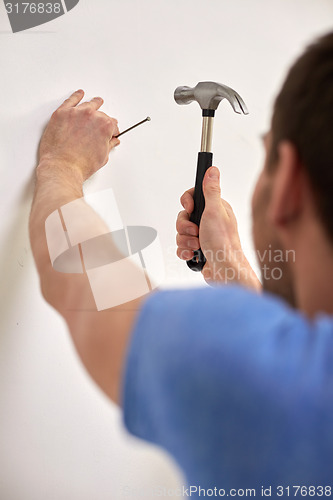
x: 237, y: 387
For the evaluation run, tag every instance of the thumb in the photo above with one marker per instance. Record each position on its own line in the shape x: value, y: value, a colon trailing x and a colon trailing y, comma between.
x: 211, y: 187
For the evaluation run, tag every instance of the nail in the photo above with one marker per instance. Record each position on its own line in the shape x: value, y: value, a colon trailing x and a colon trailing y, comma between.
x: 134, y: 126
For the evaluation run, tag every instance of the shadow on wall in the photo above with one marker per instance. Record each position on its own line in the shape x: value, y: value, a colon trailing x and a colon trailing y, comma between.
x: 12, y: 268
x: 15, y: 251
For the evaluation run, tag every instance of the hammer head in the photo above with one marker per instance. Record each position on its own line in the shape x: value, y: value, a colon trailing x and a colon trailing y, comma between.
x: 209, y: 95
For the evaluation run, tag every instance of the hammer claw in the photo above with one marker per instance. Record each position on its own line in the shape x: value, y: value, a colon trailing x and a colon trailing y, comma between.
x: 241, y: 108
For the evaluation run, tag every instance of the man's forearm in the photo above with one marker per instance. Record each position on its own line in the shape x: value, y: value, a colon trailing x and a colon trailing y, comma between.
x: 56, y: 185
x: 100, y: 337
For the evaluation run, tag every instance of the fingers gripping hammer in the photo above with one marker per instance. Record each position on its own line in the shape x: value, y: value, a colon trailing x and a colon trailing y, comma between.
x: 208, y: 95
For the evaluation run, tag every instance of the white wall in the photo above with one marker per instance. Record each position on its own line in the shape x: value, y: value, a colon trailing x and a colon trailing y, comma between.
x: 59, y: 437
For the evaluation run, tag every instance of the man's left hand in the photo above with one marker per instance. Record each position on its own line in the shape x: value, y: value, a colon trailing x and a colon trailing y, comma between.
x: 78, y: 136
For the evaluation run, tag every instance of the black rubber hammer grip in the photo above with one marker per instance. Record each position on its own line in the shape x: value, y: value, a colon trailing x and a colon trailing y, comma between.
x: 205, y: 160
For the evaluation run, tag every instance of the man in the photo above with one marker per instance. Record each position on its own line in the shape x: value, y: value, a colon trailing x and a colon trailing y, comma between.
x: 234, y: 382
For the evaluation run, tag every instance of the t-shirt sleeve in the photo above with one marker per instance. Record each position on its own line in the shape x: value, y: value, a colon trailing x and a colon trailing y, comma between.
x: 206, y: 365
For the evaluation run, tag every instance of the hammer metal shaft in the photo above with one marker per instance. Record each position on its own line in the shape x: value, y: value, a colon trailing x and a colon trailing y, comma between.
x: 207, y: 134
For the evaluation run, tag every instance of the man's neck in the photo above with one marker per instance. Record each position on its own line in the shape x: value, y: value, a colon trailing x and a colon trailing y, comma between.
x: 313, y: 274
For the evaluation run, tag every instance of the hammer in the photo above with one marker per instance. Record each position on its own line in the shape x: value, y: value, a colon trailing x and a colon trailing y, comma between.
x: 208, y: 95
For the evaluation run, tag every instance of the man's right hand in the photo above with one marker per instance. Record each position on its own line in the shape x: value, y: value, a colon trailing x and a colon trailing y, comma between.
x: 217, y: 237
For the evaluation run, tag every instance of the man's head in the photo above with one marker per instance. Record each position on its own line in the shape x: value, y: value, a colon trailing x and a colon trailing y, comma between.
x: 293, y: 201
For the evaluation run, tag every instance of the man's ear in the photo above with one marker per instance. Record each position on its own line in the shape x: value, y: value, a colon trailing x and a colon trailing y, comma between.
x: 286, y: 194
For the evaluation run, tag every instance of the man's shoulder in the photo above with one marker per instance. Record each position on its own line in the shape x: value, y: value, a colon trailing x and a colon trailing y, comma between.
x: 233, y: 302
x: 207, y: 325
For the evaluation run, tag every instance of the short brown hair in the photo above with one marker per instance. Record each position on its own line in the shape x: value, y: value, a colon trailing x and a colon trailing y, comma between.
x: 303, y: 114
